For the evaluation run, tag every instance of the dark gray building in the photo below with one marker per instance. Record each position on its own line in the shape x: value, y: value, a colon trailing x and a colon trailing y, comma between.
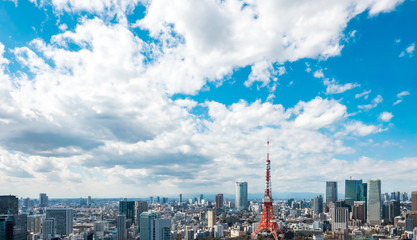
x: 63, y: 219
x: 331, y: 192
x: 9, y: 203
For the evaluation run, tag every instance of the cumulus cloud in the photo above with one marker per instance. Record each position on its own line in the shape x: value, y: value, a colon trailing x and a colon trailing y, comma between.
x: 409, y: 51
x: 262, y: 72
x: 357, y: 128
x: 104, y: 114
x: 318, y: 113
x: 386, y: 116
x: 318, y: 74
x: 334, y: 88
x: 400, y: 96
x: 377, y: 100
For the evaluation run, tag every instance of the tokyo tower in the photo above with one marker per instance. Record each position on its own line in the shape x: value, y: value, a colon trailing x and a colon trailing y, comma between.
x: 268, y: 223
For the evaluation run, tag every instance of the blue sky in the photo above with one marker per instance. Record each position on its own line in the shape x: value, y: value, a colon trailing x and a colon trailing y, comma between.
x: 132, y: 96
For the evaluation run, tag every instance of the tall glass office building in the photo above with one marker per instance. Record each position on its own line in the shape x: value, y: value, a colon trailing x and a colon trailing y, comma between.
x: 331, y: 192
x: 241, y: 196
x: 374, y: 202
x: 353, y: 192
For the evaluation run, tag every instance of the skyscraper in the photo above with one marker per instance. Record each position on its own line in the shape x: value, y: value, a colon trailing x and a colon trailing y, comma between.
x: 43, y: 200
x: 359, y: 211
x: 331, y: 192
x: 162, y: 229
x: 414, y: 201
x: 340, y: 217
x: 127, y: 208
x: 88, y: 200
x: 34, y: 223
x: 13, y: 227
x: 219, y: 201
x: 318, y: 205
x: 180, y: 198
x: 211, y: 217
x: 374, y: 202
x: 140, y: 207
x: 121, y: 227
x: 241, y: 196
x: 353, y: 189
x: 63, y: 219
x: 48, y: 228
x: 9, y: 204
x: 152, y: 227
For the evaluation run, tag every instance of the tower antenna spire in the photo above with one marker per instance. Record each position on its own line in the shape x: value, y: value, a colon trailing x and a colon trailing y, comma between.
x: 267, y: 222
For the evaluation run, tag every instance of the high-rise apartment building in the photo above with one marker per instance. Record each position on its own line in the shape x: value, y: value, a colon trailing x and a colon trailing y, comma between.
x: 414, y: 201
x: 48, y: 228
x: 140, y: 207
x: 317, y: 204
x: 43, y: 200
x: 374, y: 202
x: 64, y: 218
x: 241, y: 196
x: 9, y: 204
x: 331, y: 192
x: 211, y: 218
x: 34, y: 223
x: 353, y: 192
x: 219, y: 201
x: 127, y: 208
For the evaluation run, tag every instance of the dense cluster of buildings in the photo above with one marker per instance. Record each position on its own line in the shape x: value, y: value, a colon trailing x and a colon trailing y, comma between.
x: 363, y: 213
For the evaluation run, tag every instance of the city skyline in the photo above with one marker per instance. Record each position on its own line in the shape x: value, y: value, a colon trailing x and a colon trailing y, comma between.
x: 131, y: 96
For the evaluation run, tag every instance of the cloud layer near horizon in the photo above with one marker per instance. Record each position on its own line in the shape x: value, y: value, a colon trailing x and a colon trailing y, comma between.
x: 103, y: 117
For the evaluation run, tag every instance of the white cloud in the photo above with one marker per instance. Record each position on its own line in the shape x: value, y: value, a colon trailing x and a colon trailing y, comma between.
x: 357, y: 128
x: 409, y: 51
x: 400, y: 97
x: 103, y: 114
x: 364, y: 94
x: 63, y: 27
x: 377, y: 100
x: 261, y: 72
x: 318, y: 113
x: 318, y: 74
x: 334, y: 88
x: 386, y: 116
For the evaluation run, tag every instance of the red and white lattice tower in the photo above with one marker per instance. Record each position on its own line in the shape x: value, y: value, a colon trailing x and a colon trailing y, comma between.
x: 268, y: 222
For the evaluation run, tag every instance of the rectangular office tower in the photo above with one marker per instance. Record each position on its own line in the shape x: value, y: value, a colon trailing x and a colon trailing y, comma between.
x: 127, y: 208
x: 414, y: 201
x: 140, y: 207
x: 9, y: 204
x: 340, y: 218
x: 241, y: 196
x: 219, y: 201
x: 353, y: 192
x: 152, y: 227
x: 121, y: 227
x: 374, y: 202
x: 63, y: 219
x: 43, y: 200
x: 331, y: 192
